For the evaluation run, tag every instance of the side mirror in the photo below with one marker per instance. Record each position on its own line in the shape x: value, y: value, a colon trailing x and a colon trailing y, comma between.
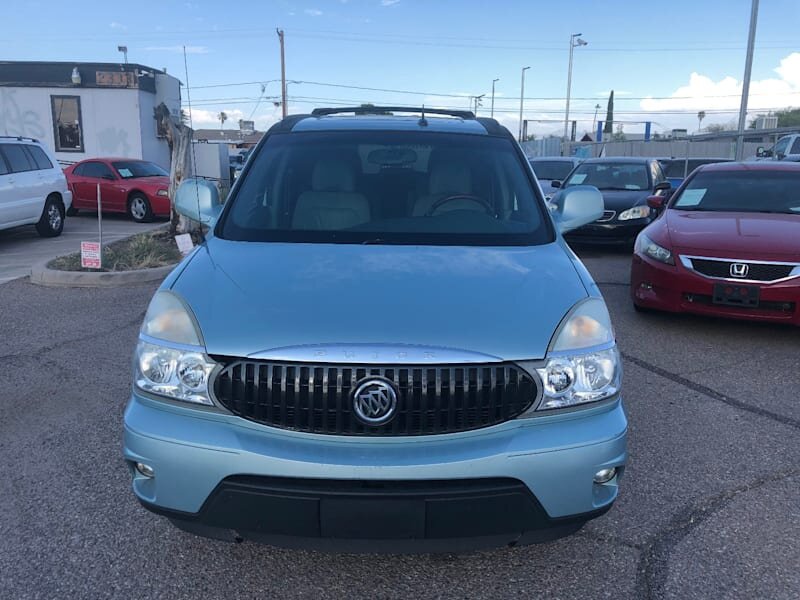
x: 664, y: 186
x: 760, y: 151
x: 577, y: 206
x: 555, y: 184
x: 198, y: 200
x: 656, y: 202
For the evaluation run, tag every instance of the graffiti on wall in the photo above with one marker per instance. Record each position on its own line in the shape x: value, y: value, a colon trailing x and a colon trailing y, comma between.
x: 16, y: 120
x: 113, y: 142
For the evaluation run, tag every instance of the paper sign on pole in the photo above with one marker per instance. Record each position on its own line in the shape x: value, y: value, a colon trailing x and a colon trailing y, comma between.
x: 185, y: 243
x: 90, y: 255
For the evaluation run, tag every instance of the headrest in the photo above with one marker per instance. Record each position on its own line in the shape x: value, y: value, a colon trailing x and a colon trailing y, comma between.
x: 332, y: 175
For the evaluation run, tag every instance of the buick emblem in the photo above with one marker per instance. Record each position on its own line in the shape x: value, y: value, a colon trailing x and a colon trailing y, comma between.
x: 739, y: 270
x: 375, y: 401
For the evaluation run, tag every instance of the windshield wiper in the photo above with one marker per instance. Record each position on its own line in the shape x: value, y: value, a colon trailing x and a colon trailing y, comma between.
x: 620, y: 189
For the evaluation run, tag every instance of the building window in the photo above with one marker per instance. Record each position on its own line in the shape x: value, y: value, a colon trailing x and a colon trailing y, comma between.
x: 67, y: 123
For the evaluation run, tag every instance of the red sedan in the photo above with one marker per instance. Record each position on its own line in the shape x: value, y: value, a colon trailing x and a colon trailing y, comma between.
x: 136, y: 187
x: 727, y: 244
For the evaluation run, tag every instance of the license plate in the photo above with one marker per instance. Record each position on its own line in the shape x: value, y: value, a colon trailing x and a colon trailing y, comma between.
x: 745, y: 296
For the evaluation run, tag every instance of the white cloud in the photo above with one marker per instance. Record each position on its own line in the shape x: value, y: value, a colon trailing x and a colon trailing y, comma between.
x: 703, y: 93
x: 313, y: 12
x: 116, y: 25
x: 178, y: 49
x: 389, y: 2
x: 206, y: 119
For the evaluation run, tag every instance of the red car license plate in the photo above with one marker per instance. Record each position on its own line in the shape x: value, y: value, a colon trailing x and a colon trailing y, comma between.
x: 728, y: 294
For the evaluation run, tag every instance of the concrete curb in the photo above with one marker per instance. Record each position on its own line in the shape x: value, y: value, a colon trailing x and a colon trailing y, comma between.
x: 41, y: 275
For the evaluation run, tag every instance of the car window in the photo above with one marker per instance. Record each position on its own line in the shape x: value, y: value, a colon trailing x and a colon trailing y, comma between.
x: 17, y: 158
x: 747, y: 191
x: 97, y: 170
x: 781, y: 146
x: 131, y: 169
x: 611, y: 176
x: 3, y: 166
x: 39, y: 157
x: 387, y: 187
x: 795, y: 146
x: 554, y: 169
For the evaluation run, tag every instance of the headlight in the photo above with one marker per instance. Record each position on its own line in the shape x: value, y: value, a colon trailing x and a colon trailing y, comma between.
x: 170, y: 359
x: 637, y: 212
x: 644, y: 245
x: 584, y: 364
x: 163, y: 193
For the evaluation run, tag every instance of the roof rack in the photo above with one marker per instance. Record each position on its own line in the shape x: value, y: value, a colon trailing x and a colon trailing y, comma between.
x: 18, y: 137
x: 380, y: 110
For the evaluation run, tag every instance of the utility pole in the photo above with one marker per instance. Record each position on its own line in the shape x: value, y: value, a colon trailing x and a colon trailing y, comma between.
x: 748, y: 66
x: 478, y: 102
x: 521, y: 100
x: 594, y: 120
x: 574, y: 40
x: 493, y: 82
x: 284, y: 108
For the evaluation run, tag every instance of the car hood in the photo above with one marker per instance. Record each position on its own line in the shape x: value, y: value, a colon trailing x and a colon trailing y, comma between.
x: 619, y: 200
x: 256, y: 298
x: 747, y: 235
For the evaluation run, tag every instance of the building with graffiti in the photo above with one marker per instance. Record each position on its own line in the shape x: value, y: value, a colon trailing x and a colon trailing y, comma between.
x: 82, y: 110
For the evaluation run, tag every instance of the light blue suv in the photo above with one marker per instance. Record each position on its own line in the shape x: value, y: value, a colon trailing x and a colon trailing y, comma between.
x: 383, y: 344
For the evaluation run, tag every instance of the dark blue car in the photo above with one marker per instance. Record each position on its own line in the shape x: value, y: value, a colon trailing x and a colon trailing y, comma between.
x: 625, y: 184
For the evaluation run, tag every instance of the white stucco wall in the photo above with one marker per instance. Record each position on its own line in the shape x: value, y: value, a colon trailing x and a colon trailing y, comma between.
x: 110, y: 119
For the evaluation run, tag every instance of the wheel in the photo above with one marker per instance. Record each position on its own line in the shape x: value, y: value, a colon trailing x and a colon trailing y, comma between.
x: 72, y: 211
x: 139, y: 208
x: 51, y: 223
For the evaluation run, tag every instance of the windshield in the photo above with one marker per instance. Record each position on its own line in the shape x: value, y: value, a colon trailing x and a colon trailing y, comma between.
x: 386, y: 188
x: 742, y: 191
x: 552, y: 170
x: 611, y: 176
x: 130, y: 169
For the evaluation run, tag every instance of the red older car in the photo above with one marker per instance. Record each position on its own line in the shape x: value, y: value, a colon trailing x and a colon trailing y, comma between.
x: 727, y: 245
x: 136, y: 187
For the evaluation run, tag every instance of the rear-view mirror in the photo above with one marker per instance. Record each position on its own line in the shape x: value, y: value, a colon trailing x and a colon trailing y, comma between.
x: 198, y: 200
x: 577, y: 206
x: 555, y: 184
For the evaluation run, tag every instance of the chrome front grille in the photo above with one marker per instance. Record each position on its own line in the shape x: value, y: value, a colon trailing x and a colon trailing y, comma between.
x: 760, y: 271
x: 318, y: 398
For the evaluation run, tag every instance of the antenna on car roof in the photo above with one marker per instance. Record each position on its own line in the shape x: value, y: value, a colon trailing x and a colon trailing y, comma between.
x: 422, y: 121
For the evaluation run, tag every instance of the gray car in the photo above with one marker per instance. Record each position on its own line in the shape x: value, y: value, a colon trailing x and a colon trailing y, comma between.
x: 552, y: 168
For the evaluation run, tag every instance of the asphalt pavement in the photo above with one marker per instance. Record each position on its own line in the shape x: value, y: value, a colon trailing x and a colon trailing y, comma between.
x: 709, y: 506
x: 21, y: 247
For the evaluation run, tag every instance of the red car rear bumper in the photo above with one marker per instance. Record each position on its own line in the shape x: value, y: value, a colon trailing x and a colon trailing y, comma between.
x: 678, y: 289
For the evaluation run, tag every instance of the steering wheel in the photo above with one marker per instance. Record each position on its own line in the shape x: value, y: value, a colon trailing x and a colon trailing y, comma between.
x: 488, y: 208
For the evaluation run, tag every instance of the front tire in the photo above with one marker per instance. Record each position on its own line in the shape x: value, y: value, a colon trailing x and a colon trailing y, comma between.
x: 139, y: 208
x: 51, y: 223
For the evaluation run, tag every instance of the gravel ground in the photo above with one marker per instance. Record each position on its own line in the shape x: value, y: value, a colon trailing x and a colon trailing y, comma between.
x: 709, y: 506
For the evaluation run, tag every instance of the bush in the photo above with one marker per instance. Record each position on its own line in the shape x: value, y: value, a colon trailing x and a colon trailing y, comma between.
x: 142, y: 251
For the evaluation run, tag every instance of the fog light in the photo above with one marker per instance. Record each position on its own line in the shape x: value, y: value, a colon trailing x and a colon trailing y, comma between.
x: 605, y: 475
x: 645, y: 285
x: 148, y: 471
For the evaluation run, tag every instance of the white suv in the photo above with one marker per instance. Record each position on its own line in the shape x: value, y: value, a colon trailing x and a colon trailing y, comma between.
x: 33, y: 188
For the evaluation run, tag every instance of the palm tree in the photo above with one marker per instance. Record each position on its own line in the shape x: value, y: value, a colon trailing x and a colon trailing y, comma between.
x: 222, y: 118
x: 700, y: 116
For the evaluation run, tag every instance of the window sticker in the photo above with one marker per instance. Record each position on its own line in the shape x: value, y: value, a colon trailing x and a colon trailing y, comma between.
x: 691, y: 197
x: 577, y: 179
x: 125, y: 173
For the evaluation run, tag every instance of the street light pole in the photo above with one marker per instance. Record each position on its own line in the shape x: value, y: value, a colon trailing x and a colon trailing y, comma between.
x: 493, y: 82
x: 594, y: 120
x: 284, y: 108
x: 574, y: 41
x: 748, y: 66
x: 522, y: 100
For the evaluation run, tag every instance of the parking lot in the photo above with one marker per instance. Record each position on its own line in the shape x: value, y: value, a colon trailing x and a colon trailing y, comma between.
x: 21, y: 247
x: 709, y: 505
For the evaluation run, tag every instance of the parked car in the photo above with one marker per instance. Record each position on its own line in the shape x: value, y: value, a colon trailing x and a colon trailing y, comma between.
x: 383, y: 342
x: 625, y: 183
x: 677, y: 169
x: 786, y: 148
x: 136, y: 187
x: 552, y: 168
x: 727, y: 245
x: 33, y: 189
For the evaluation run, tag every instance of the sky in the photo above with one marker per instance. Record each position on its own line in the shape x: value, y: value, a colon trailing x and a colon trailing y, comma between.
x: 665, y: 61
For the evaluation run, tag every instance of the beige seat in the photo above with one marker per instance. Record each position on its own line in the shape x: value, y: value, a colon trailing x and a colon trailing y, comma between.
x: 331, y: 204
x: 447, y: 179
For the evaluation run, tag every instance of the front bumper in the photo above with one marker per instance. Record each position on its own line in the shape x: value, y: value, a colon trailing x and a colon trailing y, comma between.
x: 674, y: 288
x: 611, y: 232
x: 521, y: 481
